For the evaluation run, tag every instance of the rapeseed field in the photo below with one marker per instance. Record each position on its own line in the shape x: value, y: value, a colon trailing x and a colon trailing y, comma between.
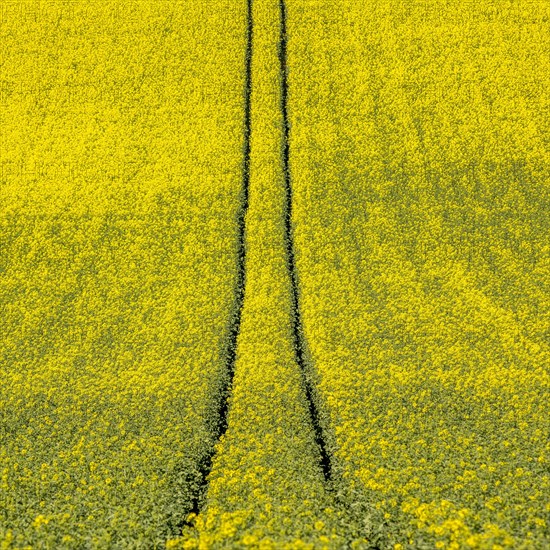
x: 421, y: 170
x: 121, y: 178
x: 274, y: 274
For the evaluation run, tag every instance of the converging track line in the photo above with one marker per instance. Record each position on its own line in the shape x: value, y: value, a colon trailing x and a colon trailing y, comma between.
x: 296, y: 320
x: 222, y: 423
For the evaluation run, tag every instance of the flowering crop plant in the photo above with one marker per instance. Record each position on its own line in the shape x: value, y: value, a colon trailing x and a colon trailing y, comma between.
x: 121, y: 161
x: 274, y: 274
x: 421, y: 169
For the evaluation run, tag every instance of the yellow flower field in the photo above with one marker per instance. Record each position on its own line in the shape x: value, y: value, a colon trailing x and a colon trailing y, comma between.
x: 121, y: 160
x: 274, y: 274
x: 421, y: 170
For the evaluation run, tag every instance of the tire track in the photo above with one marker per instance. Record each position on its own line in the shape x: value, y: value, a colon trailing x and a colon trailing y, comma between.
x: 205, y: 465
x: 296, y: 320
